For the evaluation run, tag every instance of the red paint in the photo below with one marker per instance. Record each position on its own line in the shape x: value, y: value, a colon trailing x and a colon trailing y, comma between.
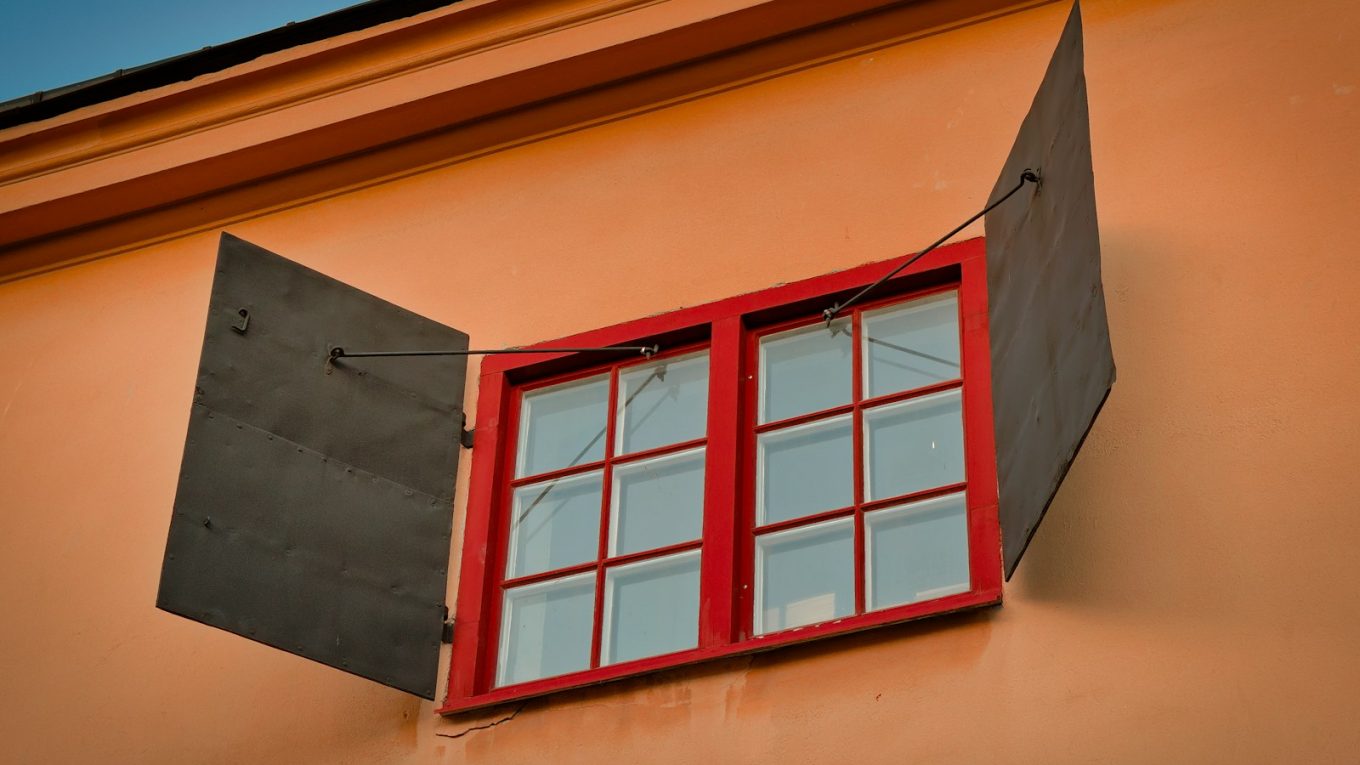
x: 805, y: 520
x: 718, y: 565
x: 727, y: 568
x: 984, y: 527
x: 857, y: 448
x: 606, y: 499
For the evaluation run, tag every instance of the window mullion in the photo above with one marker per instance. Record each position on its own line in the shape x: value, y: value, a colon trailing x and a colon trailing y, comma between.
x: 857, y: 386
x: 719, y: 579
x: 606, y: 503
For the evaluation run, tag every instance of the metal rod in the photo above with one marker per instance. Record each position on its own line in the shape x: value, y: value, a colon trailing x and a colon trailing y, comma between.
x: 341, y: 353
x: 1028, y: 176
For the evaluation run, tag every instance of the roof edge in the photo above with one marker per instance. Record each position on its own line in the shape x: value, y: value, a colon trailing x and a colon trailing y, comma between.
x: 51, y: 103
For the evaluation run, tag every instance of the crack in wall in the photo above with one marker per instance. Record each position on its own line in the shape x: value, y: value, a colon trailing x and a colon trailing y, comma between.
x: 484, y: 726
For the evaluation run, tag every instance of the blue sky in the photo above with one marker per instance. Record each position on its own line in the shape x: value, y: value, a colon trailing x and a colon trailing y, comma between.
x: 45, y: 44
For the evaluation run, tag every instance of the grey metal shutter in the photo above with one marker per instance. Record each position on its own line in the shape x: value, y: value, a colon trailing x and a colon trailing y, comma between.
x: 314, y: 506
x: 1052, y: 366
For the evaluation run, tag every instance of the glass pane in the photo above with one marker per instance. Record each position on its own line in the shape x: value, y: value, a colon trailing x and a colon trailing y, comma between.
x: 917, y: 552
x: 563, y: 426
x: 914, y: 445
x: 555, y: 524
x: 804, y: 470
x: 663, y: 403
x: 546, y: 629
x: 805, y: 370
x: 912, y: 345
x: 805, y: 576
x: 658, y: 502
x: 651, y: 608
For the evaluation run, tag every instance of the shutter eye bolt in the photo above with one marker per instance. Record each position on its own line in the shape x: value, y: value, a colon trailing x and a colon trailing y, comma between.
x: 335, y: 352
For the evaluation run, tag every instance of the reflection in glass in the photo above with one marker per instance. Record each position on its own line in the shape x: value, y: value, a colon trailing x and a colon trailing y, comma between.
x: 804, y: 470
x: 555, y: 524
x: 805, y: 370
x: 663, y: 403
x: 805, y: 575
x: 914, y: 445
x: 546, y: 629
x: 658, y: 502
x: 917, y: 552
x: 651, y: 608
x: 562, y: 426
x: 909, y: 346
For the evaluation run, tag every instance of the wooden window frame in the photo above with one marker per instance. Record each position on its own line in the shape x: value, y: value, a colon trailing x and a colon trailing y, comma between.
x: 729, y: 329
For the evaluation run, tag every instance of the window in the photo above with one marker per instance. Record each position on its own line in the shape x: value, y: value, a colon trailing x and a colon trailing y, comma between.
x: 765, y: 479
x: 859, y: 456
x: 606, y: 519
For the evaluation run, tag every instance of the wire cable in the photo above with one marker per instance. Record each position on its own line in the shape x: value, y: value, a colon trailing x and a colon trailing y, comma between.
x: 340, y: 353
x: 1028, y: 176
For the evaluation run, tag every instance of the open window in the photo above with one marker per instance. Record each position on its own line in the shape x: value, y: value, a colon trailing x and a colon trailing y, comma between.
x: 767, y: 479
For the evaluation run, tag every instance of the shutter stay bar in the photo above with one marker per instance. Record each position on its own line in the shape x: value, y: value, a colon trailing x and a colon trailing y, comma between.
x: 1028, y: 176
x: 466, y: 435
x: 340, y: 353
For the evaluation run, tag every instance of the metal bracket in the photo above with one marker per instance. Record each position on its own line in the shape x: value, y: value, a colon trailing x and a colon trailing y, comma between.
x: 242, y: 323
x: 465, y: 436
x: 446, y: 636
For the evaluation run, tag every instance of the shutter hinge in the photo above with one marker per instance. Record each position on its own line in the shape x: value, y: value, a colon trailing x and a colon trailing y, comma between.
x: 465, y: 437
x: 446, y: 635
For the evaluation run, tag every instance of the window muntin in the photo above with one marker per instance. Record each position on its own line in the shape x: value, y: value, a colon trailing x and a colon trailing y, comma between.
x: 897, y: 435
x: 591, y: 561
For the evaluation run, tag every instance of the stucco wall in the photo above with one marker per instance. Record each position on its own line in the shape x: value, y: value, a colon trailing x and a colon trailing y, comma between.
x: 1190, y: 597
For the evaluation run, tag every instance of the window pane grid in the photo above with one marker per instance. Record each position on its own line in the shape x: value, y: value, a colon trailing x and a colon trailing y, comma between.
x: 859, y: 407
x: 607, y: 564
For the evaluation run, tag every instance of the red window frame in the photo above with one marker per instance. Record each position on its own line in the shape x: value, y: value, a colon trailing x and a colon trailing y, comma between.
x: 730, y: 329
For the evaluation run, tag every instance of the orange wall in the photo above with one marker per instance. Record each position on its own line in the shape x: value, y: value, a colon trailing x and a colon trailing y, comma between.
x: 1190, y: 598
